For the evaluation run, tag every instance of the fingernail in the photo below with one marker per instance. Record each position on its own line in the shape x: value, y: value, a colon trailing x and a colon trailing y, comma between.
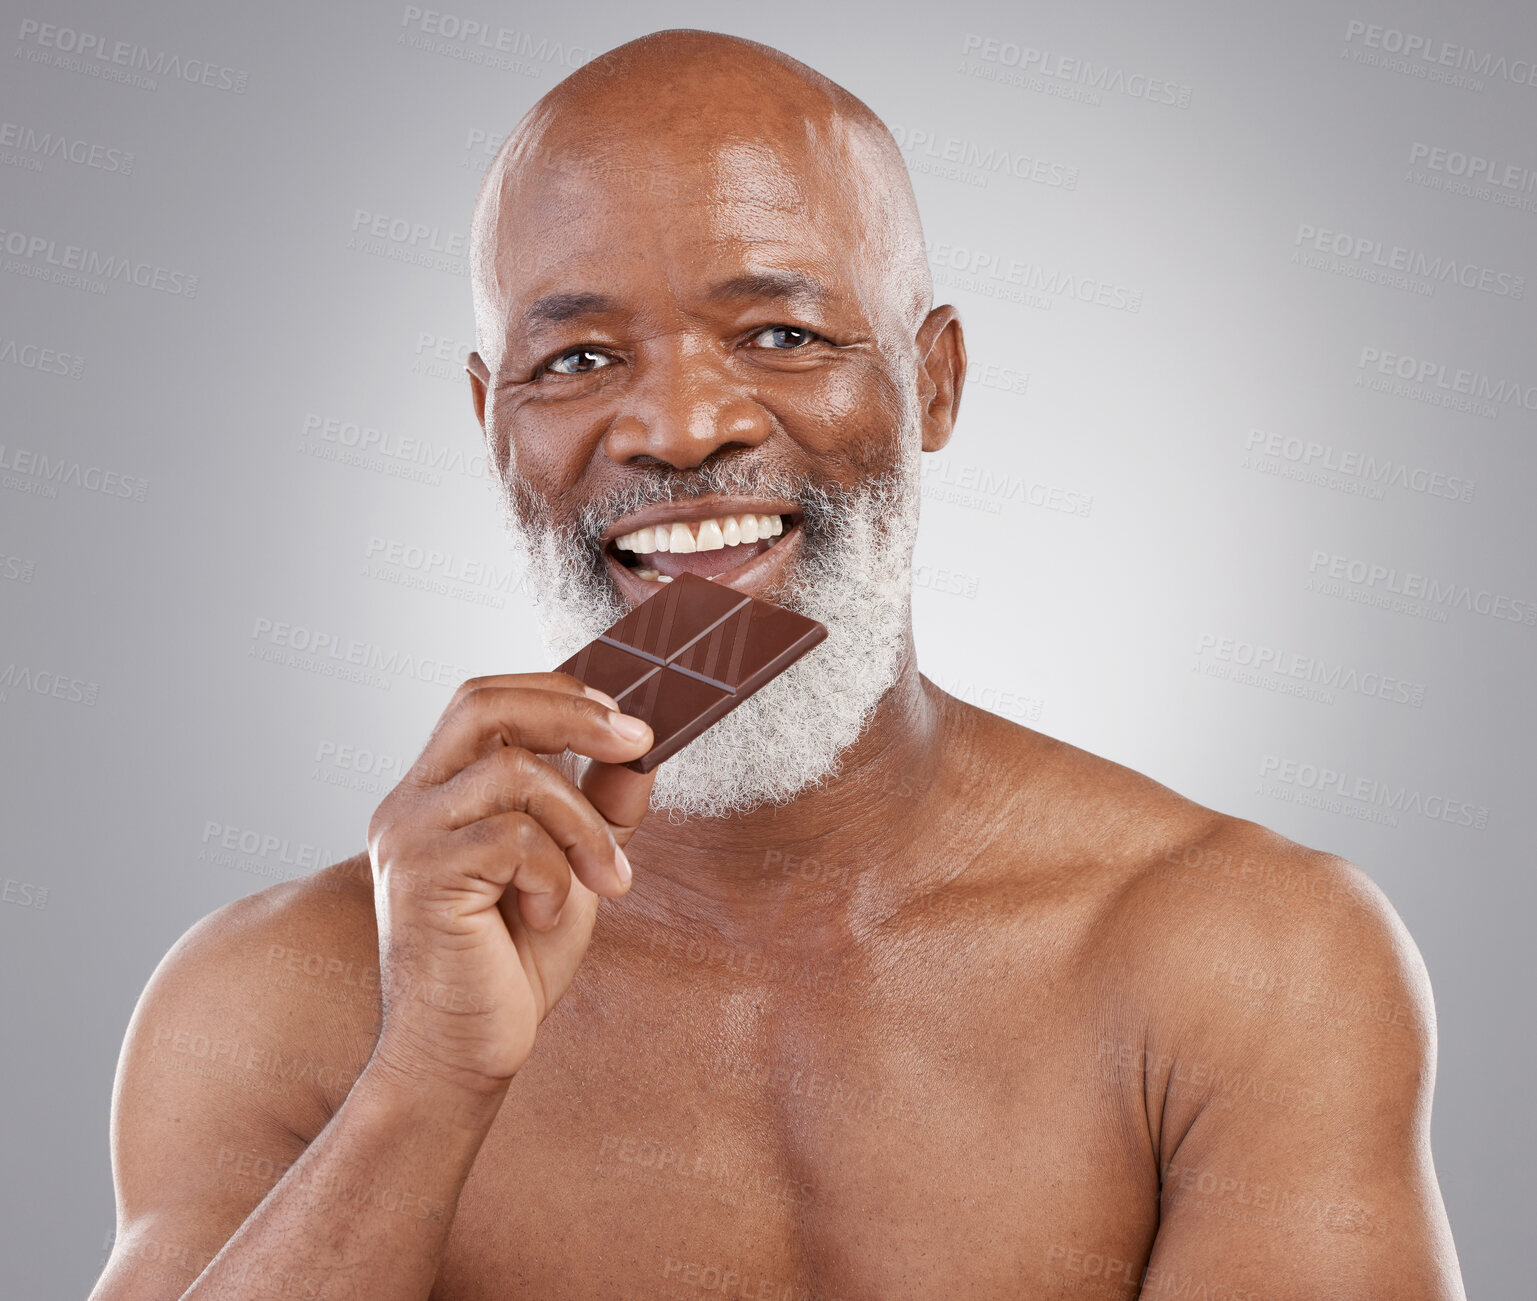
x: 622, y: 863
x: 597, y: 695
x: 629, y: 727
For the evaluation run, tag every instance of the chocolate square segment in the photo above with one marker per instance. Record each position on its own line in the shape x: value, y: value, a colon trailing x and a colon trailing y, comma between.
x: 610, y: 669
x: 659, y: 628
x: 690, y: 655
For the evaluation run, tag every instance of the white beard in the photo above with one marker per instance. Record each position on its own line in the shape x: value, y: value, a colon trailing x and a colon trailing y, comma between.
x: 853, y: 573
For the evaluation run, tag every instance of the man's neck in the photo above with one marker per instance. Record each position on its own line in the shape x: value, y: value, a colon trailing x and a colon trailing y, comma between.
x: 836, y: 854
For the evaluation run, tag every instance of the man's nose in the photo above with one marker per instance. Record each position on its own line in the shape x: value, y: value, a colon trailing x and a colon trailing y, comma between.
x: 681, y: 405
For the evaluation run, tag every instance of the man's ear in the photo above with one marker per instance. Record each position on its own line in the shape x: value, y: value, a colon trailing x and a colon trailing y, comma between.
x: 480, y: 379
x: 941, y: 374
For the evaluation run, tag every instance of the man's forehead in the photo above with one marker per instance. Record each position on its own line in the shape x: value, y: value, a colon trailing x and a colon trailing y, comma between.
x: 723, y: 186
x: 741, y: 221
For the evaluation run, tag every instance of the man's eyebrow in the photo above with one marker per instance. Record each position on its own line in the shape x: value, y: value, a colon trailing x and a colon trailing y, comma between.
x: 558, y: 308
x: 770, y: 284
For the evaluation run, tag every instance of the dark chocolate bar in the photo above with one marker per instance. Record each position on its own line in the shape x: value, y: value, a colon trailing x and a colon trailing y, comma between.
x: 689, y: 655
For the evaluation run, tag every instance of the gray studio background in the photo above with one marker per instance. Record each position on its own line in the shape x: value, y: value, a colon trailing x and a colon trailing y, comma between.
x: 1253, y: 380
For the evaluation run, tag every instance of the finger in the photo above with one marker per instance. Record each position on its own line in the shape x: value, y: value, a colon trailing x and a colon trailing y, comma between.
x: 484, y: 718
x: 562, y: 683
x: 533, y: 681
x: 512, y: 850
x: 550, y: 958
x: 621, y: 796
x: 516, y: 780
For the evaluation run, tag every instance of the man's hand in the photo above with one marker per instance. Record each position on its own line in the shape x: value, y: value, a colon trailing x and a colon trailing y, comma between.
x: 487, y: 866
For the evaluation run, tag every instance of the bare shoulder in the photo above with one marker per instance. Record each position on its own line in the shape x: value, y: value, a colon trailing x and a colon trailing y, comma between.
x: 336, y: 900
x: 1286, y: 1060
x: 1250, y: 977
x: 1075, y: 811
x: 1180, y: 881
x: 1266, y: 947
x: 244, y: 1043
x: 262, y: 943
x: 1204, y: 919
x: 269, y: 1001
x: 332, y: 907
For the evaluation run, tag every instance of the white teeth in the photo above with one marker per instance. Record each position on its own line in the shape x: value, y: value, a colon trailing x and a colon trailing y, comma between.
x: 650, y: 575
x: 706, y: 535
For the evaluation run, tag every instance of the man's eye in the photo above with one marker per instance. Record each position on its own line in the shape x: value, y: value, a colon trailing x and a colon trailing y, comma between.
x: 579, y: 361
x: 783, y: 337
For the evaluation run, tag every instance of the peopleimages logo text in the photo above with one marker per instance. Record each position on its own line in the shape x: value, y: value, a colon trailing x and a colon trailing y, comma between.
x: 1456, y: 381
x: 94, y: 265
x: 1326, y: 781
x: 71, y: 149
x: 988, y: 267
x: 1375, y: 470
x: 501, y: 40
x: 1232, y: 654
x: 1415, y: 586
x: 919, y: 144
x: 1473, y: 167
x: 92, y: 46
x: 1427, y: 50
x: 1078, y: 72
x: 1409, y: 261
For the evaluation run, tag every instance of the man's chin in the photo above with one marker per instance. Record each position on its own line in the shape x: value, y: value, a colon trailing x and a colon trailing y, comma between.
x: 772, y: 748
x: 790, y: 738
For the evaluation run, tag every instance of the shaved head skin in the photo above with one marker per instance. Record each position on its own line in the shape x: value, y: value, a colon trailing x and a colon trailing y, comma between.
x: 864, y: 995
x: 764, y: 152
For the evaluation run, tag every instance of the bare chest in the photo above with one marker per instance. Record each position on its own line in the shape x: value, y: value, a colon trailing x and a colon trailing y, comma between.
x: 758, y: 1129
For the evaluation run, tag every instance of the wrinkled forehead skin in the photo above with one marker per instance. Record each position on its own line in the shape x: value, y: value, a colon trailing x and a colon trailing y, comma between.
x: 686, y: 155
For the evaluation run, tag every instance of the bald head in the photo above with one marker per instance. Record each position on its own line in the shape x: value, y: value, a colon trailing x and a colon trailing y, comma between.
x: 680, y: 117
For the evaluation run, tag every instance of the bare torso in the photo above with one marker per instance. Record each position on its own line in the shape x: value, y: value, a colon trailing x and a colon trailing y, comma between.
x: 928, y: 1116
x: 1075, y: 1035
x: 944, y: 1096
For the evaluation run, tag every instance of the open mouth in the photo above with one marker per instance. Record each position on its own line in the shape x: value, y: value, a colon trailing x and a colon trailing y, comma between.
x: 713, y: 546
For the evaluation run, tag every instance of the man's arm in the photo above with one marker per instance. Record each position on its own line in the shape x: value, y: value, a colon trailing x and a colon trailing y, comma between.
x: 222, y: 1080
x: 484, y: 870
x: 1296, y: 1145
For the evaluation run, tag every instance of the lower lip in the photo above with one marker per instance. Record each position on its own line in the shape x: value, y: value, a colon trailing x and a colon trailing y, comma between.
x: 755, y: 574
